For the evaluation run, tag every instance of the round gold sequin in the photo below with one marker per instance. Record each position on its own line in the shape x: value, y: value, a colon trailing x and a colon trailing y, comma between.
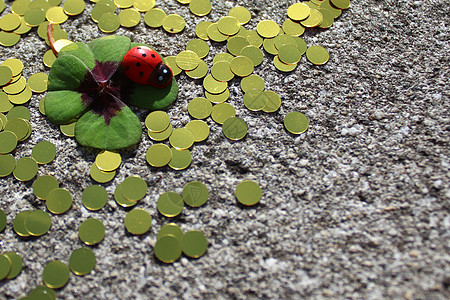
x: 328, y: 18
x: 195, y: 194
x: 234, y: 128
x: 161, y: 136
x: 123, y: 3
x: 170, y: 204
x: 56, y: 274
x: 38, y: 223
x: 16, y: 87
x: 9, y: 22
x: 56, y: 15
x: 171, y: 61
x: 173, y: 23
x: 201, y: 30
x: 19, y: 112
x: 252, y: 82
x: 109, y: 22
x: 15, y: 65
x: 8, y: 39
x: 59, y: 201
x: 43, y: 185
x: 222, y: 111
x: 248, y: 192
x: 218, y: 98
x: 19, y: 7
x: 108, y: 161
x: 289, y: 54
x: 133, y: 188
x: 295, y: 122
x: 167, y: 249
x: 273, y: 102
x: 254, y: 53
x: 199, y: 129
x: 154, y: 17
x: 158, y: 155
x: 281, y: 66
x: 198, y: 46
x: 143, y: 5
x: 101, y: 9
x: 16, y: 264
x: 317, y: 55
x: 194, y: 244
x: 100, y: 176
x: 223, y: 56
x: 199, y: 72
x: 199, y: 108
x: 129, y: 17
x: 121, y: 200
x: 91, y: 231
x: 229, y: 25
x: 254, y: 38
x: 7, y: 164
x: 269, y: 46
x: 138, y: 221
x: 171, y: 229
x: 38, y: 82
x: 214, y: 33
x: 26, y: 169
x: 74, y: 7
x: 242, y: 66
x: 314, y: 19
x: 82, y: 261
x: 293, y: 28
x: 298, y: 11
x: 268, y: 29
x: 341, y: 4
x: 5, y: 104
x: 94, y: 197
x: 23, y: 28
x: 187, y: 60
x: 255, y: 100
x: 214, y: 86
x: 43, y: 152
x: 6, y: 75
x: 221, y: 71
x: 181, y: 139
x: 235, y: 44
x: 240, y: 13
x: 200, y: 7
x: 157, y: 121
x: 180, y: 159
x: 68, y: 129
x: 34, y: 16
x: 19, y: 223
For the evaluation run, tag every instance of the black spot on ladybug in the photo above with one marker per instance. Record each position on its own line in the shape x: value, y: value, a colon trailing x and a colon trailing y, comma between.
x: 138, y: 64
x: 141, y: 74
x: 139, y: 48
x: 153, y: 55
x: 144, y: 55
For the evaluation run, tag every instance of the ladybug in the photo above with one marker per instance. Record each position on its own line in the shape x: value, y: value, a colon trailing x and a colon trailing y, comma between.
x: 143, y: 65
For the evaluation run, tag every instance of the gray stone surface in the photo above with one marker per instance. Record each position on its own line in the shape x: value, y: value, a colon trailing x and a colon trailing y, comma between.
x: 358, y: 207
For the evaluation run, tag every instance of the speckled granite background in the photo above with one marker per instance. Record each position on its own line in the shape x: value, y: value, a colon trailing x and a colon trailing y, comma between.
x: 358, y: 207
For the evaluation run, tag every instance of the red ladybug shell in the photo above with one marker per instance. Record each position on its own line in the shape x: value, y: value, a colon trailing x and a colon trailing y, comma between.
x: 139, y: 64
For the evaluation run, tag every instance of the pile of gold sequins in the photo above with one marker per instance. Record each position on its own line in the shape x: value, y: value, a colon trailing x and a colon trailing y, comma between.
x: 32, y: 223
x: 26, y: 14
x: 178, y: 156
x: 130, y: 191
x: 104, y: 14
x: 170, y: 204
x: 10, y: 265
x: 105, y: 166
x: 172, y: 242
x: 56, y: 273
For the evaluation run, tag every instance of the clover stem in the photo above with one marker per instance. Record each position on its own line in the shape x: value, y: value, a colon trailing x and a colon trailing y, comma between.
x: 51, y: 38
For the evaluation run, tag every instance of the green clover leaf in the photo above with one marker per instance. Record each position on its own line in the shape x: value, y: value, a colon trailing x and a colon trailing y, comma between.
x: 87, y: 83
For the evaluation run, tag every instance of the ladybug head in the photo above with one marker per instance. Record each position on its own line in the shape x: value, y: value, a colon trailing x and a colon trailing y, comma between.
x: 161, y: 76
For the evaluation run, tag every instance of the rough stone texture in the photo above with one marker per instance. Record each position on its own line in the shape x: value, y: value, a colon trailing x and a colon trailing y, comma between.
x: 358, y: 207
